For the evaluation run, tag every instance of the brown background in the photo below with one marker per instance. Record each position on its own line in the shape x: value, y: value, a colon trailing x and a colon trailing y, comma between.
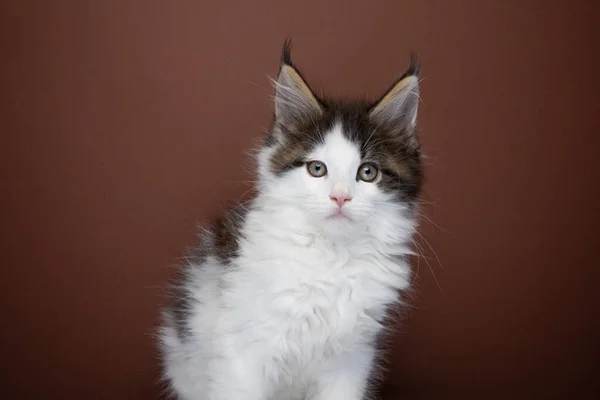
x: 124, y: 123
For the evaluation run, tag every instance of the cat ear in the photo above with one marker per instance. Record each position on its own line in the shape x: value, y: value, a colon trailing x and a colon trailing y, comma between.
x: 398, y: 106
x: 294, y: 99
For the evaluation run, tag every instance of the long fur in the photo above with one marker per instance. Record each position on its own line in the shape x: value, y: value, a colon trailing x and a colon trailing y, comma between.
x: 286, y: 297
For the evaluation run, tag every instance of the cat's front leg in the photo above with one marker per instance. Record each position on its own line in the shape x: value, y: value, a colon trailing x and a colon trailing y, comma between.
x: 345, y: 377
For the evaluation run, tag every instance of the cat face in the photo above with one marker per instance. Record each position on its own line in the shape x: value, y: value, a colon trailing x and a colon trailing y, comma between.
x: 346, y: 165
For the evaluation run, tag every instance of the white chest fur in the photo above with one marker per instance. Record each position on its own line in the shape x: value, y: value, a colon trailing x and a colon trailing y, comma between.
x: 304, y: 301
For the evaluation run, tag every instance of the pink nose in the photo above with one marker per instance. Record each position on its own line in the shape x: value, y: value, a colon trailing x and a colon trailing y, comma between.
x: 340, y: 200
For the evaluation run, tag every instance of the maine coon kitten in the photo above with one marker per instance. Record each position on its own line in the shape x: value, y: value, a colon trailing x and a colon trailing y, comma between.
x: 286, y: 296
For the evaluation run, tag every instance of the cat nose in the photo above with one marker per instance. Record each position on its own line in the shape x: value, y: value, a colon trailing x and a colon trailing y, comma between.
x: 340, y: 199
x: 340, y: 193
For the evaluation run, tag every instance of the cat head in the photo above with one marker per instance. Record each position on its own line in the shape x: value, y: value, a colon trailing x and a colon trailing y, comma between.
x: 347, y: 165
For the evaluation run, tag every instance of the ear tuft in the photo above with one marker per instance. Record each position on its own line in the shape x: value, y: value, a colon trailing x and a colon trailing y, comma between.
x: 413, y: 68
x: 286, y: 54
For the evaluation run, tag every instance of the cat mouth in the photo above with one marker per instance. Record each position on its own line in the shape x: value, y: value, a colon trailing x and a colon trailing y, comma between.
x: 339, y: 215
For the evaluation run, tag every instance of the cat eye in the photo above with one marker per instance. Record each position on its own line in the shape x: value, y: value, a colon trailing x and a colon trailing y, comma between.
x: 316, y: 169
x: 368, y: 172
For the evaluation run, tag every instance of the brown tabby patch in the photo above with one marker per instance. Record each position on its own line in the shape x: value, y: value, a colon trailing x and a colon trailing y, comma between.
x: 394, y: 150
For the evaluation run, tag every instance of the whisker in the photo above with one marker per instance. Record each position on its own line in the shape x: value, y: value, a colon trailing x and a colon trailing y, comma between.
x: 431, y: 248
x: 431, y: 269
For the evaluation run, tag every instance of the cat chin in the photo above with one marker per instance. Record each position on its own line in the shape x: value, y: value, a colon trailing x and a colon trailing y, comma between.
x: 342, y: 226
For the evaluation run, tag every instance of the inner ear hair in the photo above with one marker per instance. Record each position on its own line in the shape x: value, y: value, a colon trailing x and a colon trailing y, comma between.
x: 399, y: 104
x: 294, y: 98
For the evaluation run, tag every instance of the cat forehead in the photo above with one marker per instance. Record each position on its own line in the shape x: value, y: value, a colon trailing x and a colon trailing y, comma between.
x: 336, y: 148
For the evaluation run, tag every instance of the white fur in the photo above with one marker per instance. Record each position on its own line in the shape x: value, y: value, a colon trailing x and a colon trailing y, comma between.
x: 297, y: 314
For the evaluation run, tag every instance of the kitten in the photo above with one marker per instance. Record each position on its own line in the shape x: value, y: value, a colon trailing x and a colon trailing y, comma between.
x: 286, y: 296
